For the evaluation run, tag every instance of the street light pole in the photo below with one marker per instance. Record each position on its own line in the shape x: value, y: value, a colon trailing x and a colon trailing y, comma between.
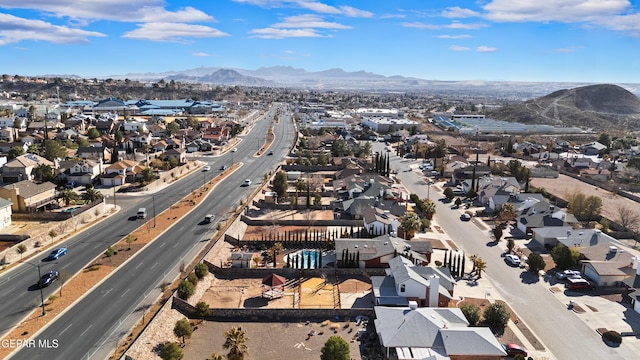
x: 44, y: 312
x: 114, y: 197
x: 153, y: 197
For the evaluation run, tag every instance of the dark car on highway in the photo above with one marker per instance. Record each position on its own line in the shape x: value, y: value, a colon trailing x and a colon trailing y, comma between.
x: 48, y: 278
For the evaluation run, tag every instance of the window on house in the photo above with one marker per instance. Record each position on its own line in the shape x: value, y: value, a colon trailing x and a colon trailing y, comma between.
x: 402, y: 288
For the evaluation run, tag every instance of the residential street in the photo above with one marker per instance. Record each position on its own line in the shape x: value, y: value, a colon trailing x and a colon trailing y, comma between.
x: 564, y: 334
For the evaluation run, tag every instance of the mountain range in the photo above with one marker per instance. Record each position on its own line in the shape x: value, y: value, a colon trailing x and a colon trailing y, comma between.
x: 338, y: 79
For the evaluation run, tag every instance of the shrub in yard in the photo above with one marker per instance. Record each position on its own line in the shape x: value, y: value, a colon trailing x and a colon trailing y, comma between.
x: 612, y: 336
x: 471, y: 312
x: 186, y: 289
x: 496, y: 315
x: 192, y: 278
x: 201, y: 270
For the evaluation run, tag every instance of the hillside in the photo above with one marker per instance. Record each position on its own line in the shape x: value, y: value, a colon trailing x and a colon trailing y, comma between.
x: 600, y: 107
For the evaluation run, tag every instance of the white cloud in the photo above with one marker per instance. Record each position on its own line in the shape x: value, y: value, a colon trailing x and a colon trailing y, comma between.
x: 273, y: 33
x: 173, y: 32
x: 567, y: 50
x: 308, y: 21
x: 392, y: 16
x: 316, y: 6
x: 458, y: 48
x: 454, y: 25
x: 458, y: 12
x: 459, y: 25
x: 461, y: 36
x: 556, y: 10
x: 420, y: 25
x: 115, y: 10
x: 200, y: 54
x: 486, y: 49
x: 14, y: 29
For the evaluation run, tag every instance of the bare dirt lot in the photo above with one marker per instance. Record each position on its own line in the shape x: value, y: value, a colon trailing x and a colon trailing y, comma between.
x: 564, y: 185
x: 273, y: 341
x: 313, y: 293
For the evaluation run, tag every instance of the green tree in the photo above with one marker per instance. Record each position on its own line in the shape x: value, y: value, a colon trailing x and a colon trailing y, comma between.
x: 471, y: 312
x: 183, y: 329
x: 45, y: 172
x: 496, y: 315
x: 448, y: 193
x: 171, y: 351
x: 510, y: 245
x: 202, y: 310
x: 563, y: 257
x: 410, y: 222
x: 21, y: 249
x: 53, y: 149
x: 236, y: 342
x: 535, y: 262
x: 91, y: 194
x: 172, y: 128
x: 585, y: 208
x: 81, y: 141
x: 147, y: 175
x: 186, y: 289
x: 68, y: 196
x: 15, y: 151
x: 497, y: 232
x: 216, y: 356
x: 280, y: 184
x: 339, y: 148
x: 201, y: 270
x: 93, y: 133
x: 335, y: 348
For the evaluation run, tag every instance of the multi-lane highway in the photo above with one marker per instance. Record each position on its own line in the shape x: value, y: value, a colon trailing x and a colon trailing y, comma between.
x: 93, y: 326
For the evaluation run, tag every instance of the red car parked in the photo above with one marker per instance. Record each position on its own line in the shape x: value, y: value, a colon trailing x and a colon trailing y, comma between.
x: 513, y: 350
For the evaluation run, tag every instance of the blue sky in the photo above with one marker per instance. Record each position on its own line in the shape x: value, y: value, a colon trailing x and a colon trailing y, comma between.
x: 596, y: 41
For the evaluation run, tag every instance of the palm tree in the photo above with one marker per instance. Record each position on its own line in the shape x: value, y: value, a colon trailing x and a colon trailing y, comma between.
x: 474, y: 258
x: 410, y: 222
x: 480, y: 267
x: 216, y: 356
x: 91, y: 194
x: 68, y: 196
x: 236, y: 342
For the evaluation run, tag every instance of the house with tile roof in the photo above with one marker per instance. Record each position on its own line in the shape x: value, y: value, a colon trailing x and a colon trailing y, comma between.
x: 433, y: 333
x: 28, y: 196
x: 84, y: 172
x: 22, y: 167
x: 120, y: 173
x: 380, y: 222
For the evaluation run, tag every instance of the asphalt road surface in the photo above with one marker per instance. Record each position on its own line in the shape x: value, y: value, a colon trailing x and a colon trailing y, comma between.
x: 565, y: 335
x: 92, y: 328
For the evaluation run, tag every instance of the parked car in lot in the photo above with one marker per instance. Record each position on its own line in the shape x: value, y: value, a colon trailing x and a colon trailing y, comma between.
x: 511, y: 259
x: 579, y: 284
x: 513, y: 350
x: 465, y: 217
x: 56, y: 253
x: 568, y: 274
x: 48, y: 278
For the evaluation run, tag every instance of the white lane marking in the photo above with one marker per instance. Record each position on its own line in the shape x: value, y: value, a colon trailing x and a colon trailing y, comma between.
x: 86, y: 330
x: 106, y: 292
x: 154, y: 265
x: 140, y: 264
x: 65, y: 329
x: 124, y: 293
